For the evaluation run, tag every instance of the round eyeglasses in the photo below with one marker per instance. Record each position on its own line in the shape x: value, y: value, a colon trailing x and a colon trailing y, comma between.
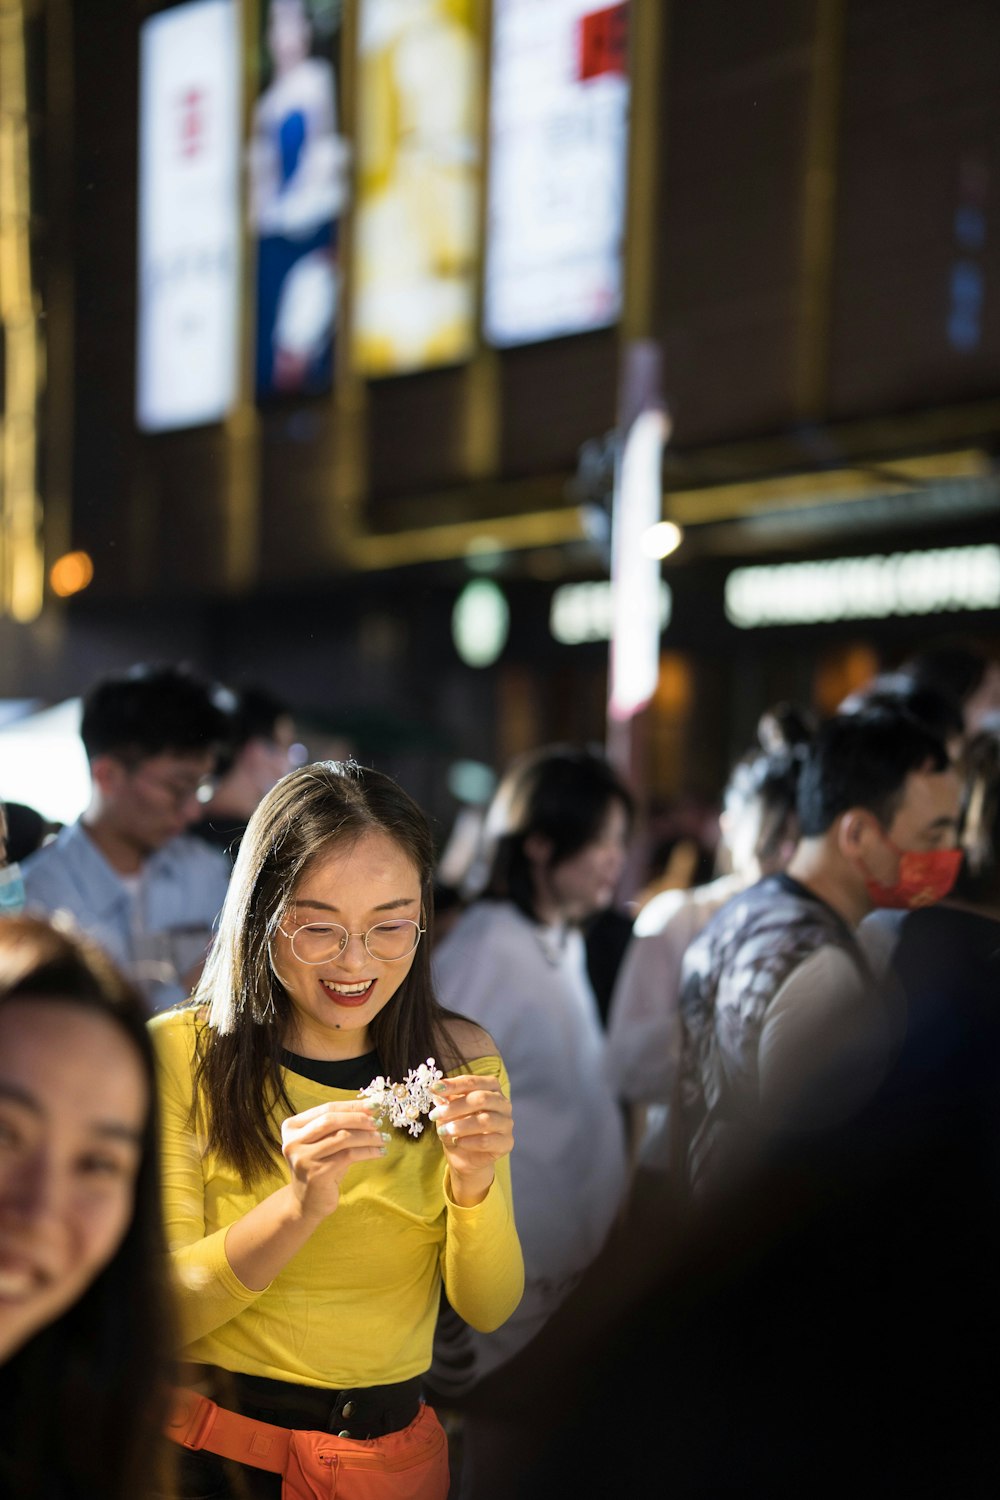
x: 319, y: 942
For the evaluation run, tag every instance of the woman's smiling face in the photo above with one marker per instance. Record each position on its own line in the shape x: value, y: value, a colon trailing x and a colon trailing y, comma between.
x: 358, y: 884
x: 73, y: 1107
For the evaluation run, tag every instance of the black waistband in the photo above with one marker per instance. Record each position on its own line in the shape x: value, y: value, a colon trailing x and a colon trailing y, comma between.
x: 366, y: 1412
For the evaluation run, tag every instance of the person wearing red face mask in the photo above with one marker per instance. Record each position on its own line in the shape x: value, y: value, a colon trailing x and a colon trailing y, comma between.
x: 777, y: 992
x: 935, y: 955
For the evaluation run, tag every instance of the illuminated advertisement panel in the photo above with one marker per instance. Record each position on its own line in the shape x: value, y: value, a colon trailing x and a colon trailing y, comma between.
x: 558, y: 140
x: 298, y: 187
x: 940, y: 580
x: 419, y: 183
x: 189, y: 216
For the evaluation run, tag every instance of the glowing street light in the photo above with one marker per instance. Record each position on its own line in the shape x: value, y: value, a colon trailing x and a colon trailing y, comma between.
x: 662, y: 539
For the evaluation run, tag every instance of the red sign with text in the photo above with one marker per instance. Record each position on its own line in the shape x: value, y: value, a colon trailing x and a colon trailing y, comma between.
x: 604, y: 42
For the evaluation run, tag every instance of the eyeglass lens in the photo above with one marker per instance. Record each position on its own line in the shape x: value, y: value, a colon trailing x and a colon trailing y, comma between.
x: 318, y: 941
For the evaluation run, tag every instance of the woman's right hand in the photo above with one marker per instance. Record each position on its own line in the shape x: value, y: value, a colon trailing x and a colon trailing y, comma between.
x: 320, y: 1144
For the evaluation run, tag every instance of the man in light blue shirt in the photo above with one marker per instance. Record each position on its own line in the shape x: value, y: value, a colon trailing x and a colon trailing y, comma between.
x: 126, y: 871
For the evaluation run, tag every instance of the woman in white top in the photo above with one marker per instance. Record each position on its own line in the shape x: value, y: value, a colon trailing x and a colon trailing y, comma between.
x: 515, y: 961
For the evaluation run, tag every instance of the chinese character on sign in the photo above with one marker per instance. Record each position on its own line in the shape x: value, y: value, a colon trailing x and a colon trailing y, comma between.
x: 603, y: 42
x: 192, y: 122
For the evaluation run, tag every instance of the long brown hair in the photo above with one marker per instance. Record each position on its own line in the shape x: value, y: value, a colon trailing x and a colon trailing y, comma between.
x: 239, y: 1090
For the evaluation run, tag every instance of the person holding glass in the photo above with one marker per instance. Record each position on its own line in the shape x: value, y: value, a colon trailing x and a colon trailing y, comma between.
x: 127, y: 870
x: 322, y: 1181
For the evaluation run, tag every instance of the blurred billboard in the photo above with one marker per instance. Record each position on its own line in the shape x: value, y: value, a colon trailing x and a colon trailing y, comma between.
x: 419, y: 175
x: 298, y: 188
x: 189, y: 215
x: 558, y: 143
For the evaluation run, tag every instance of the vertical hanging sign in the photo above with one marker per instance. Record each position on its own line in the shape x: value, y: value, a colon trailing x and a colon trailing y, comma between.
x: 416, y: 224
x: 638, y: 499
x: 189, y: 216
x: 298, y: 188
x: 558, y: 139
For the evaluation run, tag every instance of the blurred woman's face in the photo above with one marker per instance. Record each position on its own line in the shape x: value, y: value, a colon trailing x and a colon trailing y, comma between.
x: 584, y: 883
x: 73, y: 1105
x: 289, y: 33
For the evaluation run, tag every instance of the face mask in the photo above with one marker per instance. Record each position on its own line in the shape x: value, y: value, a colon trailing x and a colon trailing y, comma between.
x: 924, y: 877
x: 11, y: 891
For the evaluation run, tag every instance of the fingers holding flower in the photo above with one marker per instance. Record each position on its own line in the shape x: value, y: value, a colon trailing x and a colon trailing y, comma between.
x: 320, y: 1144
x: 475, y: 1125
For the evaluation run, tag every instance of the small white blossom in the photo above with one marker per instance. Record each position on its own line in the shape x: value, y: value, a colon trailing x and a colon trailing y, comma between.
x: 405, y: 1102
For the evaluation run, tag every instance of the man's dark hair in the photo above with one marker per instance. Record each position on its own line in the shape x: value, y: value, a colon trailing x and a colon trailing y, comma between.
x: 955, y: 666
x: 935, y: 706
x: 150, y: 710
x: 862, y: 759
x: 254, y: 716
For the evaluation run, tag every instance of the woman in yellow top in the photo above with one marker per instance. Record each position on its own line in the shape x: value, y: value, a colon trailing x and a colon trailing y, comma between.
x: 310, y: 1235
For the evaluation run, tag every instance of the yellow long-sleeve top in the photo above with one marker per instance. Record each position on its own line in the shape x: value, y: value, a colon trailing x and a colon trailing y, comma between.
x: 356, y: 1306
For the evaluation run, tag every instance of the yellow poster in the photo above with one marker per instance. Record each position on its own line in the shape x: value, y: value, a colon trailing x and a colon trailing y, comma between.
x: 419, y: 180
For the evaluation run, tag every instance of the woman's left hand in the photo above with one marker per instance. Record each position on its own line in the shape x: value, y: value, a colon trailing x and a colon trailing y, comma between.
x: 475, y: 1125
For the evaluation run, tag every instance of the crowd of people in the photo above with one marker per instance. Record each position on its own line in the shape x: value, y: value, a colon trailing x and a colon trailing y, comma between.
x: 297, y: 1207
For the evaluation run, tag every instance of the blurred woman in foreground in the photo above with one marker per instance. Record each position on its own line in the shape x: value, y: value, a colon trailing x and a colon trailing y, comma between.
x: 82, y: 1310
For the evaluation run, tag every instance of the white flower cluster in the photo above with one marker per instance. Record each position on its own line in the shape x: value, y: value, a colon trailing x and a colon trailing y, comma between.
x: 405, y: 1102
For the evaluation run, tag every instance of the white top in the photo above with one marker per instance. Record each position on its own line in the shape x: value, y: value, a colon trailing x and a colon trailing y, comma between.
x: 643, y: 1020
x: 527, y: 986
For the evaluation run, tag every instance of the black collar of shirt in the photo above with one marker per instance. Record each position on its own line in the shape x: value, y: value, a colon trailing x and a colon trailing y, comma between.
x: 346, y: 1073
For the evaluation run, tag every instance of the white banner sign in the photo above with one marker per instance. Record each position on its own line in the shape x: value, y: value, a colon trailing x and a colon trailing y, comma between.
x: 635, y: 576
x: 189, y: 215
x: 558, y: 136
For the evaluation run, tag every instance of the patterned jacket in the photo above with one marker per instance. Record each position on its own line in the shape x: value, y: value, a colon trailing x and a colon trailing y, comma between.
x: 733, y: 972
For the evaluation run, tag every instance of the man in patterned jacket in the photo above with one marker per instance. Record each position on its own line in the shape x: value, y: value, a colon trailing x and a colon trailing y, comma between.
x: 776, y: 1000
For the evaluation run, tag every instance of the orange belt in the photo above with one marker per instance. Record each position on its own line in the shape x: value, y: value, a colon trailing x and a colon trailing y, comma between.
x: 196, y: 1422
